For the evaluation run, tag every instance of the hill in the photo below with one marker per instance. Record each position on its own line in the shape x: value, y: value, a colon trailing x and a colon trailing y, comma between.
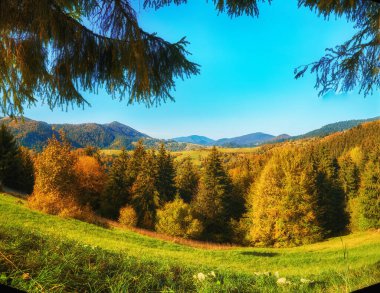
x: 196, y: 139
x: 34, y: 134
x: 41, y: 252
x: 334, y: 127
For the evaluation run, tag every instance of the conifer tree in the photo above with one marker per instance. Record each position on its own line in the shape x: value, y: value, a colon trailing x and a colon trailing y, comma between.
x: 9, y: 155
x: 212, y: 201
x: 187, y: 180
x: 331, y: 199
x: 135, y: 162
x: 370, y: 193
x: 165, y: 175
x: 117, y: 191
x: 145, y: 197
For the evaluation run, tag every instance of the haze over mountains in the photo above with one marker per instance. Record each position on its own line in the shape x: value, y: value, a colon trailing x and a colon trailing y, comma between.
x: 115, y: 135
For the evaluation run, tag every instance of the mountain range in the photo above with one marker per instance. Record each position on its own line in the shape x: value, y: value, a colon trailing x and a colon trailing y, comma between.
x: 34, y: 134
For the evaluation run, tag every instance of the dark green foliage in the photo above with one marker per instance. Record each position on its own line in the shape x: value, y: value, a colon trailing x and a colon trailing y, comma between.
x: 331, y: 198
x: 9, y: 154
x: 145, y: 196
x: 212, y: 205
x: 165, y: 173
x: 370, y: 193
x: 187, y: 180
x: 117, y: 190
x: 349, y: 176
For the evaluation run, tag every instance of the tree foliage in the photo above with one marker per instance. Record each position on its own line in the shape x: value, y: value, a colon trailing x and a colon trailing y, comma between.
x: 186, y: 180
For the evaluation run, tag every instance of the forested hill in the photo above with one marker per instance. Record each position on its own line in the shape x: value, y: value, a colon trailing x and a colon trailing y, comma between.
x: 34, y: 134
x: 334, y: 127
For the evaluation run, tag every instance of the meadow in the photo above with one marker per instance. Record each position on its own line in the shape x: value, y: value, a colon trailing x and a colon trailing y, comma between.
x: 40, y: 252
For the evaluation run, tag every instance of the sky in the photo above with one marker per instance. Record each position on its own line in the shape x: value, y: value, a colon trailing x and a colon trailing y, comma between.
x: 246, y: 82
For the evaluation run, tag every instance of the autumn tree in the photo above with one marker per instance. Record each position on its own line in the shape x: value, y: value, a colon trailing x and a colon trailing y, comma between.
x: 186, y: 180
x: 211, y: 204
x: 165, y: 173
x: 176, y: 219
x: 283, y: 203
x: 91, y: 180
x: 55, y: 191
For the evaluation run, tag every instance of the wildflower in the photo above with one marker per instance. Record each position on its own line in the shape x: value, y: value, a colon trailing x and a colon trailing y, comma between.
x: 283, y: 281
x: 277, y: 275
x: 212, y: 274
x: 201, y: 277
x: 306, y: 281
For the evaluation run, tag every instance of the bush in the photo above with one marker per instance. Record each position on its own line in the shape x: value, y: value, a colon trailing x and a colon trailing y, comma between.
x: 128, y: 216
x: 176, y: 219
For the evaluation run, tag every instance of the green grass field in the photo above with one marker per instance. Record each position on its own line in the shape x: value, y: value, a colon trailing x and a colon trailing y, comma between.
x: 40, y: 252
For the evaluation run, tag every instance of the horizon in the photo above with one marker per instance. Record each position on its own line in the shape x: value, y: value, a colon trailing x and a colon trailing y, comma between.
x: 246, y: 82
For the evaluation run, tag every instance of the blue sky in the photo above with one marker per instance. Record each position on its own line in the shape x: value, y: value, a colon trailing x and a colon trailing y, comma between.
x: 246, y: 83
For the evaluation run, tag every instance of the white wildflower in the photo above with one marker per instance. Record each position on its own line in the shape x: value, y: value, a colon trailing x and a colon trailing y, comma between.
x: 283, y: 281
x: 212, y: 274
x: 201, y: 277
x: 306, y: 281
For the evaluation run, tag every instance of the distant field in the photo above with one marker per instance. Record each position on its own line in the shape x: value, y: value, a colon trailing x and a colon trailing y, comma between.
x: 68, y: 255
x: 195, y: 155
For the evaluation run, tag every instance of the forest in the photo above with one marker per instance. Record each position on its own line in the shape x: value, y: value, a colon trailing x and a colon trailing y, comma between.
x: 278, y: 195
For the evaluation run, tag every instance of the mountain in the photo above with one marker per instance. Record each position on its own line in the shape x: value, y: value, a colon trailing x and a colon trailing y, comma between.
x: 245, y: 140
x: 196, y: 139
x: 34, y: 134
x: 334, y: 127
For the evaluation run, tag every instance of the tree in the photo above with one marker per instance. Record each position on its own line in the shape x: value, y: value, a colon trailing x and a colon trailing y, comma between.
x: 54, y: 49
x: 176, y: 219
x: 55, y: 191
x: 165, y: 175
x: 117, y: 191
x: 369, y: 197
x: 211, y: 205
x: 145, y: 197
x: 91, y: 179
x: 283, y: 203
x: 9, y: 156
x: 186, y: 180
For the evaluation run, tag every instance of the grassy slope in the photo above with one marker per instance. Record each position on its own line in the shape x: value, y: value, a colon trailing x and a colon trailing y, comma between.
x: 171, y: 265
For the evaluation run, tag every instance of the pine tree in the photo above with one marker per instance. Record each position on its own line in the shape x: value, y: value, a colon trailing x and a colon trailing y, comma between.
x: 9, y: 157
x: 369, y: 198
x: 117, y: 191
x: 145, y: 197
x: 165, y: 175
x: 212, y: 201
x: 187, y: 180
x: 47, y: 50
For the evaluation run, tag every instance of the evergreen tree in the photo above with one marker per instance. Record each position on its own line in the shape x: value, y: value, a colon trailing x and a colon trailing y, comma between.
x: 212, y: 201
x: 187, y: 180
x: 117, y: 190
x: 349, y: 176
x: 145, y: 197
x: 370, y: 193
x: 25, y: 171
x: 165, y: 175
x: 331, y: 199
x: 135, y: 162
x: 9, y: 156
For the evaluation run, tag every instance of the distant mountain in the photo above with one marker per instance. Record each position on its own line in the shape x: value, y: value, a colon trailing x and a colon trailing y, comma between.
x: 245, y: 140
x: 34, y: 134
x: 334, y: 127
x: 196, y: 139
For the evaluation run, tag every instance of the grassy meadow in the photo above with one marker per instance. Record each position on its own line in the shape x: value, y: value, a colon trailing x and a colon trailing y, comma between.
x: 40, y: 252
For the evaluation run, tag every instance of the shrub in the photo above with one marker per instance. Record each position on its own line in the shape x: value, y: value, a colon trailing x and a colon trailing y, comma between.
x: 176, y: 219
x: 128, y: 216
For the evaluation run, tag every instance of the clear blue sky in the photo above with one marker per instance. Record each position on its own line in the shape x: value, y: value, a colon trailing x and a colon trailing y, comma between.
x: 246, y: 82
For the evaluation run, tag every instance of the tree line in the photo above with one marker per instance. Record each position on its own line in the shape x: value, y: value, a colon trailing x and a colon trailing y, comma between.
x: 286, y: 194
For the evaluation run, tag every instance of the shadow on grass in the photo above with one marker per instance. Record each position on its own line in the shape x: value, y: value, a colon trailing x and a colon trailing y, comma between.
x: 257, y: 253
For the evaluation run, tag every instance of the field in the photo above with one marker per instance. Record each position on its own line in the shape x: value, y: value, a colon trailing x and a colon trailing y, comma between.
x: 40, y: 252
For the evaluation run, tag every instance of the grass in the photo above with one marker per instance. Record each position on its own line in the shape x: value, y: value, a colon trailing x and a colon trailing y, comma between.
x: 40, y: 252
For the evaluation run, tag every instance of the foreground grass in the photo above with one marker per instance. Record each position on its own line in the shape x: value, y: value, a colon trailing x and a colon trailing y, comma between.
x: 68, y: 255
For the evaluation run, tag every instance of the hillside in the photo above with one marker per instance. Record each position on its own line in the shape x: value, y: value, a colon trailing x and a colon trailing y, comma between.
x: 197, y: 139
x: 34, y: 134
x: 75, y: 256
x: 334, y: 127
